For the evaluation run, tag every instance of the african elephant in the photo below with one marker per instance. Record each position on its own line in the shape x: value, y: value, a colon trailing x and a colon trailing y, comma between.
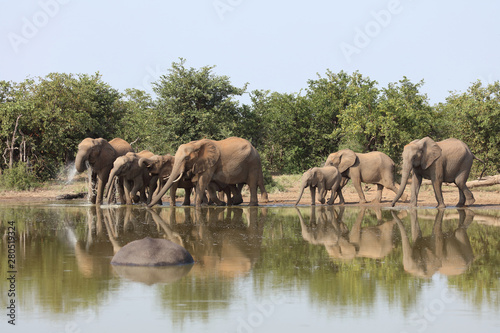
x: 325, y: 179
x: 135, y: 178
x: 226, y: 162
x: 448, y: 161
x: 371, y: 168
x: 100, y: 155
x: 448, y: 253
x: 161, y: 166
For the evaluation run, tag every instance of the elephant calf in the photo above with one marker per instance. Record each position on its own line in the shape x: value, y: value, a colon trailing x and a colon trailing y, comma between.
x: 325, y: 178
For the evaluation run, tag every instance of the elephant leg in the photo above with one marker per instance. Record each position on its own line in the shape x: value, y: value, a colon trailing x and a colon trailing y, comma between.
x: 101, y: 183
x: 378, y: 197
x: 436, y: 184
x: 322, y: 193
x: 236, y: 192
x: 254, y: 201
x: 341, y: 197
x: 357, y: 185
x: 201, y: 187
x: 173, y: 191
x: 466, y: 196
x: 187, y: 196
x: 212, y: 189
x: 128, y: 192
x: 313, y: 195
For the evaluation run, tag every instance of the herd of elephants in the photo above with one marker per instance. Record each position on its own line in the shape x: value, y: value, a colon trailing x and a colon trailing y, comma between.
x: 225, y: 166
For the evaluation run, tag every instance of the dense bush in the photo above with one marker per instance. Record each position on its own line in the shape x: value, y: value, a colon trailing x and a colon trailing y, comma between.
x: 19, y: 177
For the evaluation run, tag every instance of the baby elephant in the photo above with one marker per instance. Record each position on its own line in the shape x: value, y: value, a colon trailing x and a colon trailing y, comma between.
x: 325, y: 178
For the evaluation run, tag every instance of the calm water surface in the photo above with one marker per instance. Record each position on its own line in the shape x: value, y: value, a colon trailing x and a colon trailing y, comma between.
x: 270, y: 269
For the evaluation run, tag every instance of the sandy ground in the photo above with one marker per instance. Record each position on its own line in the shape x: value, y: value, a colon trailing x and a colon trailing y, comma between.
x: 486, y: 197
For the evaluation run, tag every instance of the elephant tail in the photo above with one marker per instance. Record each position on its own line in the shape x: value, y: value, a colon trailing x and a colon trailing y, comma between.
x: 484, y: 165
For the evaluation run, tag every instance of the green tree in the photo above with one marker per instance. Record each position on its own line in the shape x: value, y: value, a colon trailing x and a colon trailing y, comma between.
x: 285, y: 137
x: 476, y: 118
x: 58, y: 111
x: 388, y: 119
x: 137, y: 124
x: 193, y: 104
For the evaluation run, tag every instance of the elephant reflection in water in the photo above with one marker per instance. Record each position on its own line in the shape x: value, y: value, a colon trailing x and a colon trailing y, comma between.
x: 327, y: 228
x: 449, y: 253
x: 108, y: 230
x: 225, y: 240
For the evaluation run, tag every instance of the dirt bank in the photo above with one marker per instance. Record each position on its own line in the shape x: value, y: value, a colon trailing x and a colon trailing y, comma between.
x: 486, y: 197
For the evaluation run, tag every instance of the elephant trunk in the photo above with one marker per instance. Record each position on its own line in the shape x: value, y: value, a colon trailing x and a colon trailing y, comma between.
x: 111, y: 180
x: 176, y: 174
x: 405, y: 173
x: 303, y: 185
x: 81, y: 162
x: 143, y: 161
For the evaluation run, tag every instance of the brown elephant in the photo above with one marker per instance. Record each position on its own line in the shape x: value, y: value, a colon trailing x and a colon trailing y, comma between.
x: 135, y: 177
x: 447, y: 161
x: 227, y: 162
x: 448, y: 253
x: 371, y: 168
x: 100, y: 154
x: 161, y: 166
x: 324, y: 179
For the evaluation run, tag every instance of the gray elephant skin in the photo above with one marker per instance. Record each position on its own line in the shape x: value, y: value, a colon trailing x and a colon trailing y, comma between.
x: 324, y: 179
x: 231, y: 161
x: 135, y: 178
x: 161, y: 167
x: 447, y: 161
x: 100, y: 154
x: 371, y: 168
x: 152, y: 252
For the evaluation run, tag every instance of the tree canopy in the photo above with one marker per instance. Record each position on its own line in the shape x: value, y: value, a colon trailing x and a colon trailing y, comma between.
x: 43, y: 119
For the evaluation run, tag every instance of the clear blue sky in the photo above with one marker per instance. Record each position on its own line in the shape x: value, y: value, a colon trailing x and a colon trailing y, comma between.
x: 275, y: 45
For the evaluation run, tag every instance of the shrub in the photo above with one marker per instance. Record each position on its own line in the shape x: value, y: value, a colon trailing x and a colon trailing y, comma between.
x: 18, y: 178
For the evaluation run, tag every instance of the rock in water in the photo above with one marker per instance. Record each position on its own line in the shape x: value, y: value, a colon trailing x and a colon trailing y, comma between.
x: 152, y: 252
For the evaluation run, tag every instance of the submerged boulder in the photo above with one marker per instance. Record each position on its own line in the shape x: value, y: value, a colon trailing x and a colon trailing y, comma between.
x: 152, y: 252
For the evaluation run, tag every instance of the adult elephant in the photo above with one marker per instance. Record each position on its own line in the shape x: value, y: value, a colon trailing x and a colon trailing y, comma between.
x: 161, y: 166
x: 135, y: 177
x: 227, y: 162
x: 100, y: 154
x: 448, y: 161
x: 371, y: 168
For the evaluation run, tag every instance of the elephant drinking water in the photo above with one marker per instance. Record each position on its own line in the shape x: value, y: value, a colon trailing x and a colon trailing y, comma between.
x: 227, y: 162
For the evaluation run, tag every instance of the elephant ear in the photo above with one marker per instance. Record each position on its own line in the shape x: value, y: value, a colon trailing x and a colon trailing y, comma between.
x: 347, y: 159
x: 208, y: 155
x: 317, y: 178
x: 430, y: 152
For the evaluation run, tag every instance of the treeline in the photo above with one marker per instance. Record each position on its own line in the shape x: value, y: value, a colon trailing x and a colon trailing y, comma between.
x: 43, y: 119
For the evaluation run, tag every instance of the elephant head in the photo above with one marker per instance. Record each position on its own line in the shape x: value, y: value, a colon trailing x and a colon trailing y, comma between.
x: 418, y: 154
x: 343, y: 160
x: 97, y: 153
x: 195, y: 157
x: 158, y: 165
x: 312, y: 178
x: 127, y: 166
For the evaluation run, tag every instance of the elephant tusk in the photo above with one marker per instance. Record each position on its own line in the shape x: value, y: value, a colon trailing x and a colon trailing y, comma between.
x: 178, y: 178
